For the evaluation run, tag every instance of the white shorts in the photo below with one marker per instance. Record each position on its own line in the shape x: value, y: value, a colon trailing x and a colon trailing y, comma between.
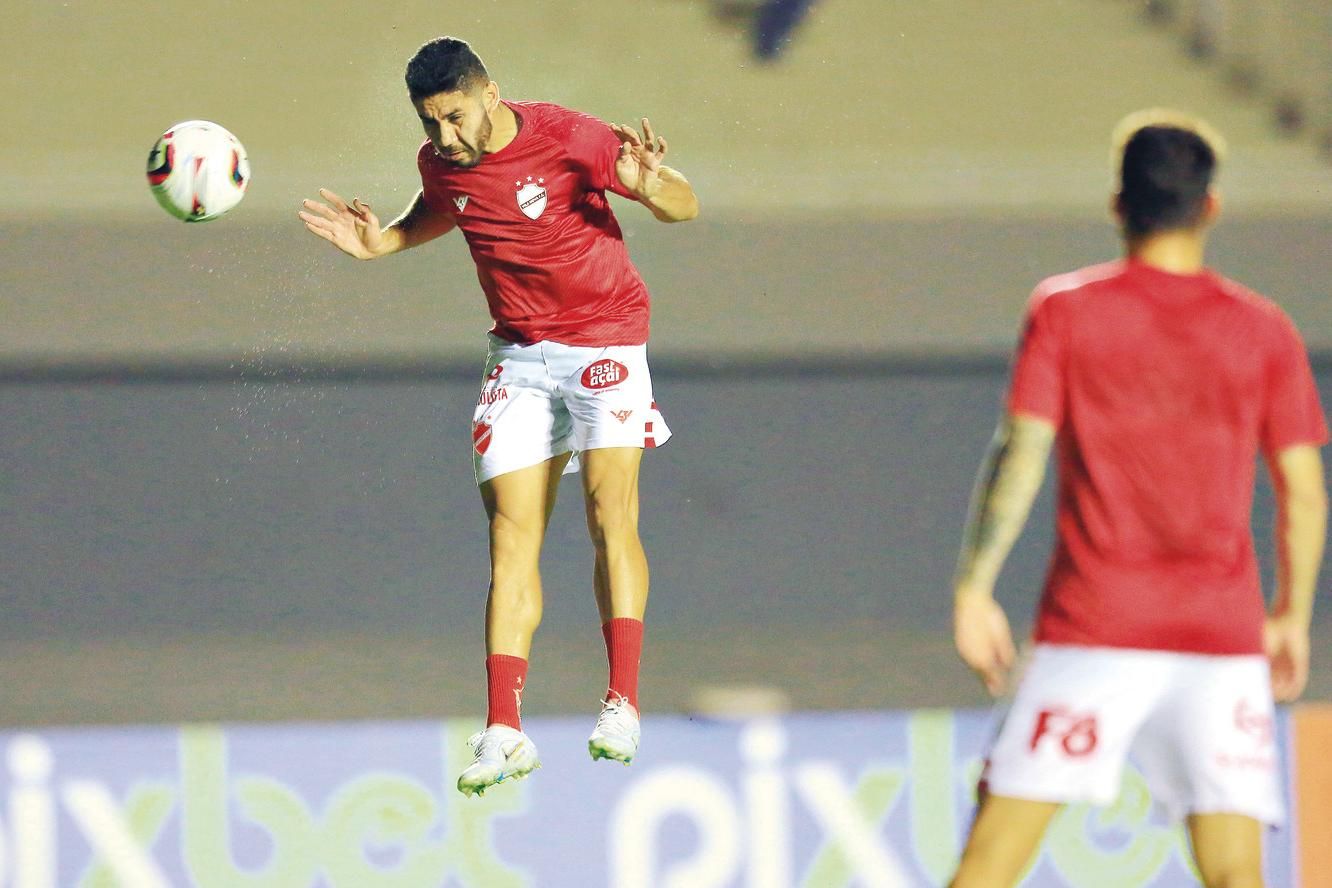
x: 1201, y: 729
x: 540, y: 400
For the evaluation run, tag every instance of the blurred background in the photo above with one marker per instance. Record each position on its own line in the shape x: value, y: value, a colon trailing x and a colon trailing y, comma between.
x: 235, y: 464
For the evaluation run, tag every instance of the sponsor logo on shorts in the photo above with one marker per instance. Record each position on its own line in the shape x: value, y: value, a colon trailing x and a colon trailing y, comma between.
x: 622, y: 415
x: 531, y: 196
x: 1254, y: 722
x: 490, y: 396
x: 481, y: 437
x: 1252, y: 762
x: 1074, y: 732
x: 604, y: 374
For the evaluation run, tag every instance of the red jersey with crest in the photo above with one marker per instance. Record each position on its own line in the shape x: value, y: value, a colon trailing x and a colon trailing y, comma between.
x: 1164, y: 389
x: 548, y: 251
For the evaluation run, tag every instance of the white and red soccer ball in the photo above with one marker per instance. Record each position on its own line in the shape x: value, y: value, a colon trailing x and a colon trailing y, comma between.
x: 198, y: 170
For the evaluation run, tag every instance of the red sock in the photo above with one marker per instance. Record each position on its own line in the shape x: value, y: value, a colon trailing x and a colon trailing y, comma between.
x: 624, y: 649
x: 505, y: 677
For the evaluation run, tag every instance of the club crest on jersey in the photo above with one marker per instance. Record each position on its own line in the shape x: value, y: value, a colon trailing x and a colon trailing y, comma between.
x: 531, y: 196
x: 460, y: 202
x: 604, y: 374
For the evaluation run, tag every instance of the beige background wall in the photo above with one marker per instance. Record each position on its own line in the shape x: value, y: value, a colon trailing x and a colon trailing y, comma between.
x: 901, y: 177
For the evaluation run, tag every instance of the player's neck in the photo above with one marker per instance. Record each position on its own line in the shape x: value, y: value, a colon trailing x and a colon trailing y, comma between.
x: 1178, y: 252
x: 504, y: 130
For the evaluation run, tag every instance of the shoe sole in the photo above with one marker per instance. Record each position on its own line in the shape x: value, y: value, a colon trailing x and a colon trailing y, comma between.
x: 597, y: 751
x: 519, y: 773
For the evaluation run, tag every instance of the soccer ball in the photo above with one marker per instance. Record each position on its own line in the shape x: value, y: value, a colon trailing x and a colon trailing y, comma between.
x: 198, y: 170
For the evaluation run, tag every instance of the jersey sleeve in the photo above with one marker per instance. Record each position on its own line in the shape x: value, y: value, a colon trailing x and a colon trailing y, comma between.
x: 431, y: 189
x: 1038, y: 384
x: 594, y: 148
x: 1293, y: 412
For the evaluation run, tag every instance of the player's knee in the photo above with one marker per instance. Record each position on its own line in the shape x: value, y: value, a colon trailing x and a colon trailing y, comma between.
x: 515, y: 542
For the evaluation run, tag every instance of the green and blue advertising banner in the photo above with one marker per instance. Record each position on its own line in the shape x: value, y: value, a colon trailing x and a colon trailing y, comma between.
x: 815, y: 800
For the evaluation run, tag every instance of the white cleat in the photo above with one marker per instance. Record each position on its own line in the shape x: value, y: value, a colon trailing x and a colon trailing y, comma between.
x: 617, y: 732
x: 502, y: 753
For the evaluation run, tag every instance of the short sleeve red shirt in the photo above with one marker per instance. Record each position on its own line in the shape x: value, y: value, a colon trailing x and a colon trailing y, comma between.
x: 1164, y: 388
x: 549, y: 253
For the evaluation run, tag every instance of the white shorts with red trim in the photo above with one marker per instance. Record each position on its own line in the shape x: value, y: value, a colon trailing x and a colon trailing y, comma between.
x: 546, y: 398
x: 1200, y: 728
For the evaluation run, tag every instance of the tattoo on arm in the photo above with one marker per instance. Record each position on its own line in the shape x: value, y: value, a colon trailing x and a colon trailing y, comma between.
x: 419, y: 223
x: 1009, y: 480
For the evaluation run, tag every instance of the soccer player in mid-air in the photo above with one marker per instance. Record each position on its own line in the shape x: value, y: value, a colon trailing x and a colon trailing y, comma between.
x: 566, y: 379
x: 1158, y: 383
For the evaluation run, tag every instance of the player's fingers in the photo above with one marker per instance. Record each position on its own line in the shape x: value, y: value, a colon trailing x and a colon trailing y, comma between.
x: 1284, y: 686
x: 338, y: 203
x: 994, y: 679
x: 630, y: 136
x: 661, y: 146
x: 322, y: 232
x: 315, y: 207
x: 318, y: 222
x: 1285, y: 676
x: 1299, y: 677
x: 982, y: 658
x: 1007, y: 652
x: 648, y: 135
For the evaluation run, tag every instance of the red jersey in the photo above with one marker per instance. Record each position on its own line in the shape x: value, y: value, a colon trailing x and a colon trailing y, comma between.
x: 548, y: 251
x: 1164, y: 388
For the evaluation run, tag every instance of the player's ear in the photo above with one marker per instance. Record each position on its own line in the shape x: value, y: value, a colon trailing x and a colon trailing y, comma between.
x: 1117, y: 207
x: 1211, y: 206
x: 490, y: 96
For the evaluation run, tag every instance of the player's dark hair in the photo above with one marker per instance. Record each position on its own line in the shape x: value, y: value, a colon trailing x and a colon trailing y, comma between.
x: 445, y: 64
x: 1165, y: 172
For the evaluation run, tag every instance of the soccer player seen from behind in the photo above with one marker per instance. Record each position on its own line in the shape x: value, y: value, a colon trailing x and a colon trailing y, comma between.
x: 1158, y: 383
x: 566, y: 378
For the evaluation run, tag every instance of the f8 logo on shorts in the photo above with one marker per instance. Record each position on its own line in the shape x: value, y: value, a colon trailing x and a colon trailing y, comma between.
x: 1075, y: 732
x: 604, y: 374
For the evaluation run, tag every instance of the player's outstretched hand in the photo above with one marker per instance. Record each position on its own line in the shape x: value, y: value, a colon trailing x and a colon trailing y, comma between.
x: 640, y: 158
x: 983, y: 639
x: 1287, y: 642
x: 352, y: 228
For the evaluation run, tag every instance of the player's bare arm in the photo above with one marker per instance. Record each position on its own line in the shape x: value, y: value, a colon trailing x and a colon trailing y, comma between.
x: 1301, y: 494
x: 1009, y: 480
x: 354, y: 228
x: 663, y: 190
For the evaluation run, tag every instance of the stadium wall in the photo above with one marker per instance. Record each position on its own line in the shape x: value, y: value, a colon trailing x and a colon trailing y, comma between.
x: 733, y: 286
x: 267, y: 548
